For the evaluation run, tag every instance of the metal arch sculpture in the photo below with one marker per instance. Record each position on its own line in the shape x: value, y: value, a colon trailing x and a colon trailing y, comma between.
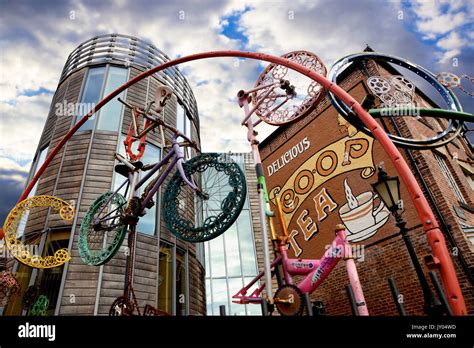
x: 20, y: 251
x: 382, y: 87
x: 435, y: 237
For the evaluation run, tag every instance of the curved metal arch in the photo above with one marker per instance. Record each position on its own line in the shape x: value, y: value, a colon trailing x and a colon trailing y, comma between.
x: 425, y: 214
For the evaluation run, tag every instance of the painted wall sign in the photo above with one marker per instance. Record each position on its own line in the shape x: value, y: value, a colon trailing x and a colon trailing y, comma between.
x: 322, y: 175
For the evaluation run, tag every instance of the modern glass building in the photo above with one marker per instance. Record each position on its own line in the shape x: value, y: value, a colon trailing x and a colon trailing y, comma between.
x: 231, y: 258
x: 168, y: 273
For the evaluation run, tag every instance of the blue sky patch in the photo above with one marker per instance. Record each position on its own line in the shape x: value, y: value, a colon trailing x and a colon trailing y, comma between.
x: 231, y: 28
x: 33, y: 92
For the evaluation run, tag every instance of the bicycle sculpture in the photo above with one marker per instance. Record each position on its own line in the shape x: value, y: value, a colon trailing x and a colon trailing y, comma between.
x: 205, y: 183
x: 127, y: 213
x: 289, y: 298
x: 18, y: 239
x: 192, y: 189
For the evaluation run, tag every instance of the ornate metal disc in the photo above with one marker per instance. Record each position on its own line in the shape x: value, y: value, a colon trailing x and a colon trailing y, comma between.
x: 103, y: 229
x: 448, y: 79
x: 223, y: 190
x: 289, y: 300
x: 40, y: 306
x: 16, y: 225
x: 9, y: 284
x: 277, y: 107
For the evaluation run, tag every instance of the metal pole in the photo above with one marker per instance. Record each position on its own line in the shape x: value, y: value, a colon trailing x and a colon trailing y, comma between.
x: 222, y: 310
x: 352, y: 300
x: 266, y: 254
x: 431, y: 306
x: 441, y: 294
x: 264, y: 307
x: 309, y: 306
x: 351, y: 268
x: 425, y: 214
x: 396, y: 296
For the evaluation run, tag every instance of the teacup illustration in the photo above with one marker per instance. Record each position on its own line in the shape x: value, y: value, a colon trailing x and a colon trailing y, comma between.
x: 360, y: 217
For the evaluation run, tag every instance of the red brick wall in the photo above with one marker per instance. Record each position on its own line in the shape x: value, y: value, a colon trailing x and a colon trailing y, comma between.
x: 389, y: 257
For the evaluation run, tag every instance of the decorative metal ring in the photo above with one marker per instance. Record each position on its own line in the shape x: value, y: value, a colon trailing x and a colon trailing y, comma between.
x: 450, y: 99
x: 287, y: 108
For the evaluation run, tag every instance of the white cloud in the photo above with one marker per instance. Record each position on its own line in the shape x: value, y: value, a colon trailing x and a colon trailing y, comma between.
x: 443, y: 21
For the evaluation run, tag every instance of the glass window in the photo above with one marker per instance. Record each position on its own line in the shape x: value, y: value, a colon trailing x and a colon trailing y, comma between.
x: 111, y: 113
x: 235, y: 284
x: 232, y: 252
x: 247, y: 244
x: 449, y: 177
x: 180, y: 283
x: 217, y: 257
x: 220, y: 296
x: 230, y: 258
x: 37, y: 166
x: 39, y: 163
x: 180, y: 116
x: 91, y: 94
x: 165, y: 279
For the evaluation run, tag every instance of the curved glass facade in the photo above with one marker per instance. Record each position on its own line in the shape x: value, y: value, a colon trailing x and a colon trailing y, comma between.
x: 231, y: 262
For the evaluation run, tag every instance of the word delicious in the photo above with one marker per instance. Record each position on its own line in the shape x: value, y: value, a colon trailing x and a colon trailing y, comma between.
x: 288, y: 156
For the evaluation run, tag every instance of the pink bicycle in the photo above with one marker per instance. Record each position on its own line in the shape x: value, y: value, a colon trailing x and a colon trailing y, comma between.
x: 289, y: 298
x: 276, y: 101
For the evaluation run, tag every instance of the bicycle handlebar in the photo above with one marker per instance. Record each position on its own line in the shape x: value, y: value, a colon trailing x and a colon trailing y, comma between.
x: 159, y: 122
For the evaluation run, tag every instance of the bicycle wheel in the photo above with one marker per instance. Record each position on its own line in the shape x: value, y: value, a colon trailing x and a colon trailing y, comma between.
x: 198, y: 217
x: 398, y: 91
x: 22, y: 237
x: 102, y: 231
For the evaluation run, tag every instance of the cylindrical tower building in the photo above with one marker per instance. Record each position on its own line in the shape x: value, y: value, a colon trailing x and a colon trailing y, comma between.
x: 168, y: 273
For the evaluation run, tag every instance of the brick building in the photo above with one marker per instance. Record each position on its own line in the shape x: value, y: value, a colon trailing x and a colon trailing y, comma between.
x: 306, y: 161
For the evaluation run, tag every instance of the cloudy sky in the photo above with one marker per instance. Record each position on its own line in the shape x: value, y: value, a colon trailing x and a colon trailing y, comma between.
x: 37, y: 36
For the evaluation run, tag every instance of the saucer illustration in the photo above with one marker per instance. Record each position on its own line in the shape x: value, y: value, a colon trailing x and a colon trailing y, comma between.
x: 381, y: 218
x: 360, y: 216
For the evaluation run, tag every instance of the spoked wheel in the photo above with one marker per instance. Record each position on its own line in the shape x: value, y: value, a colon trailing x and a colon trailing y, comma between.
x: 204, y: 215
x: 121, y: 307
x: 289, y: 300
x: 103, y: 229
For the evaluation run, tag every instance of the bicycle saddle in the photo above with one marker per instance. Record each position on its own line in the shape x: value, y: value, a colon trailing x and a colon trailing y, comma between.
x: 122, y: 169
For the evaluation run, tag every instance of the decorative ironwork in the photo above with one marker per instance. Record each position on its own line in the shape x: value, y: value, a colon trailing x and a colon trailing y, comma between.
x: 289, y: 300
x: 40, y: 306
x: 103, y: 229
x: 277, y: 109
x: 30, y: 296
x: 448, y: 79
x: 451, y: 80
x: 222, y: 207
x: 397, y: 91
x: 9, y: 284
x: 22, y: 252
